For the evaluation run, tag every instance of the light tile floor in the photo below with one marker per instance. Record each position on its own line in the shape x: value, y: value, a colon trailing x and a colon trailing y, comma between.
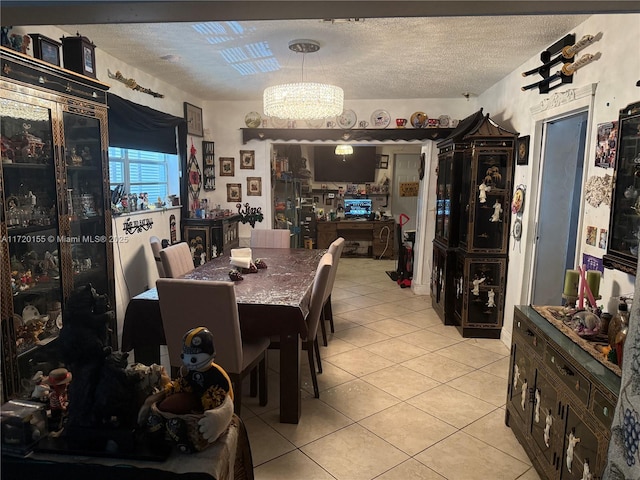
x: 402, y: 396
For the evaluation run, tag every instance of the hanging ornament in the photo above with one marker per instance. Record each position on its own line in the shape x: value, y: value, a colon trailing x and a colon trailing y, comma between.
x: 195, y: 178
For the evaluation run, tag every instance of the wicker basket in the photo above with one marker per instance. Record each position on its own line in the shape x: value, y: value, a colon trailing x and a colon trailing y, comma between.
x: 187, y: 439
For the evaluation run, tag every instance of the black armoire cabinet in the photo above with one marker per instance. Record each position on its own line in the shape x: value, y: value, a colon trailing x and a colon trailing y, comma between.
x: 55, y: 216
x: 624, y: 224
x: 475, y: 177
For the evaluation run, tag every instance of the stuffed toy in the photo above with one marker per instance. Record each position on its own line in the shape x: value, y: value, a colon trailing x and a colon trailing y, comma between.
x: 196, y: 408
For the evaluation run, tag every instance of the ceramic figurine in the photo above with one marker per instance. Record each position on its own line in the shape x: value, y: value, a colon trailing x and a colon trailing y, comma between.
x: 547, y: 428
x: 536, y: 412
x: 476, y: 285
x: 484, y: 188
x: 491, y: 302
x: 573, y: 441
x: 209, y: 389
x: 523, y: 394
x: 497, y: 210
x: 58, y: 380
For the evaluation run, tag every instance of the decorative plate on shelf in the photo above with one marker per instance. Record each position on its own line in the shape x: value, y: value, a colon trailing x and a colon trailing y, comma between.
x: 279, y: 122
x: 29, y: 313
x: 347, y: 119
x: 316, y: 123
x: 380, y: 119
x: 252, y: 119
x: 59, y: 321
x: 419, y: 120
x: 444, y: 121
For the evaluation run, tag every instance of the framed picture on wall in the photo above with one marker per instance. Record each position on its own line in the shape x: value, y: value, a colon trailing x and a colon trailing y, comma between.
x: 383, y: 162
x: 522, y: 154
x: 193, y: 116
x: 254, y: 186
x: 227, y: 167
x: 234, y: 192
x: 248, y: 159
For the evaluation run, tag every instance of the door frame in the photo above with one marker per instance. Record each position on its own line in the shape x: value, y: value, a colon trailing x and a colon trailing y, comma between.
x: 557, y: 106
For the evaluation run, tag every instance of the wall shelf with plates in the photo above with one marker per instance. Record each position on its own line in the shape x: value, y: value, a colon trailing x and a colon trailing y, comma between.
x: 338, y: 135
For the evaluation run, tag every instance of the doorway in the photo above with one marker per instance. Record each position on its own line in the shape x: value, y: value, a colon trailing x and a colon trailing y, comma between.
x: 406, y: 168
x: 560, y: 187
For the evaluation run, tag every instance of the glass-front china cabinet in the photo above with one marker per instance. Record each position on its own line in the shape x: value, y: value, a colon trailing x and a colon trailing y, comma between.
x: 55, y: 214
x: 624, y: 225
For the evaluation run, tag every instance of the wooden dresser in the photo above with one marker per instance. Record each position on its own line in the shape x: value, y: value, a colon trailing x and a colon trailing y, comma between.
x: 560, y: 397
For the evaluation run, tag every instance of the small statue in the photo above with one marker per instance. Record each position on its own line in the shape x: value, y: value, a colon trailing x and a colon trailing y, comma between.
x: 497, y: 210
x: 573, y: 441
x: 547, y: 428
x: 523, y: 394
x: 476, y: 285
x: 58, y: 380
x: 74, y: 159
x: 491, y: 301
x: 484, y: 188
x: 203, y: 388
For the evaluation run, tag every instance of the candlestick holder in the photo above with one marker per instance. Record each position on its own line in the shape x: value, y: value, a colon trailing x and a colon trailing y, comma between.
x: 570, y: 304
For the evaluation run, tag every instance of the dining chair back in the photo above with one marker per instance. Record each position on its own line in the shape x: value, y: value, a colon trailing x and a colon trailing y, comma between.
x: 275, y: 238
x: 176, y: 260
x: 187, y: 304
x: 156, y: 246
x: 335, y: 249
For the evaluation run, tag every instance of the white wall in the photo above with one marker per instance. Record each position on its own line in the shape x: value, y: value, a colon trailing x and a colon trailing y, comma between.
x: 615, y: 74
x: 134, y: 267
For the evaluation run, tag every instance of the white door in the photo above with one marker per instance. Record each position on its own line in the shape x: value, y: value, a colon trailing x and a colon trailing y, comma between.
x: 406, y: 166
x: 559, y: 206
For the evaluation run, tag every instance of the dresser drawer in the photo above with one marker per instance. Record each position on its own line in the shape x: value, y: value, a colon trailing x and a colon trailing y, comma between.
x: 527, y: 334
x: 603, y: 408
x: 566, y: 372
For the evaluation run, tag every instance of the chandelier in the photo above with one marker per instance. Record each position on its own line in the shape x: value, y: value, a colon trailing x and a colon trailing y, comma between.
x: 303, y: 100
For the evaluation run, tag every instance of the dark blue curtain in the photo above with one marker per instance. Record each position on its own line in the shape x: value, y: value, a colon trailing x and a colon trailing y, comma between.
x: 142, y: 128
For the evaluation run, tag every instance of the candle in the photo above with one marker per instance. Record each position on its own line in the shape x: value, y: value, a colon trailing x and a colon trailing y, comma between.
x: 571, y: 279
x: 593, y: 280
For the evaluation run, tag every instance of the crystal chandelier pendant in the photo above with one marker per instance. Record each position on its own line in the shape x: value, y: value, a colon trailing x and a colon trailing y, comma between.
x: 303, y: 100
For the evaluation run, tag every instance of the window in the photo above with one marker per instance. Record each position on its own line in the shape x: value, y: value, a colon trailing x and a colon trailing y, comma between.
x: 157, y: 174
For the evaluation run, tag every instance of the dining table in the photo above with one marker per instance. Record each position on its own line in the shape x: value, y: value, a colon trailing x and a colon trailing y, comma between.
x: 273, y: 301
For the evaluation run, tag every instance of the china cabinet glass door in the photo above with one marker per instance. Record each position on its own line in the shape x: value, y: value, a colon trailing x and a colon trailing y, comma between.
x: 85, y: 207
x: 31, y: 222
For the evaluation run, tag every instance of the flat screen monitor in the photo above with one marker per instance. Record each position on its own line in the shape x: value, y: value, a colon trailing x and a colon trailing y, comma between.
x: 357, y: 208
x: 360, y: 167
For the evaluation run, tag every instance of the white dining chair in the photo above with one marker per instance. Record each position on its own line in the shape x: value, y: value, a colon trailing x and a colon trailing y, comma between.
x: 270, y: 238
x: 156, y: 246
x: 335, y: 249
x: 187, y: 304
x: 176, y: 260
x: 310, y: 343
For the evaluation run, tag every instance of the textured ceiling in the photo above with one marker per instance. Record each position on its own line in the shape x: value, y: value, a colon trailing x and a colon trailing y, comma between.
x: 378, y: 58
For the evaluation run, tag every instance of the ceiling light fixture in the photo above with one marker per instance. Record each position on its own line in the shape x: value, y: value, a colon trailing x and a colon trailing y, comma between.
x: 344, y: 150
x: 303, y: 100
